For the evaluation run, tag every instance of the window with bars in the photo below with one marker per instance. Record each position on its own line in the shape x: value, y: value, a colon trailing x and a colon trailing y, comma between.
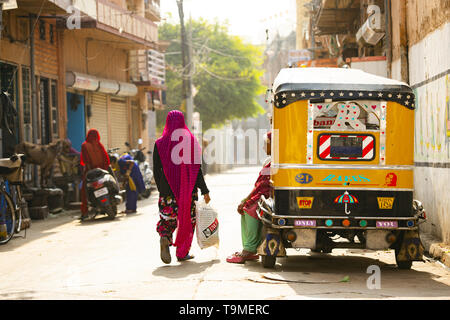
x: 54, y: 97
x: 42, y: 30
x: 26, y: 93
x: 51, y: 34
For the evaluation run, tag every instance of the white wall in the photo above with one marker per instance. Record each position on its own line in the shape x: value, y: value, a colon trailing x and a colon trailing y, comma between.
x: 378, y: 68
x: 429, y: 61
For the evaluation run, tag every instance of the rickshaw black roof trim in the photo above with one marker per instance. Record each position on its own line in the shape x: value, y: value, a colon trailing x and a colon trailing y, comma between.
x: 288, y: 93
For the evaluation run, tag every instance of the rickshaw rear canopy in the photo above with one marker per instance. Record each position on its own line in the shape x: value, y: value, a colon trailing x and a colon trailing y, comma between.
x: 338, y: 84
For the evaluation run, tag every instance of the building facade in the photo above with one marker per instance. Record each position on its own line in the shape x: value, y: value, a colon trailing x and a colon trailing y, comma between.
x: 69, y: 66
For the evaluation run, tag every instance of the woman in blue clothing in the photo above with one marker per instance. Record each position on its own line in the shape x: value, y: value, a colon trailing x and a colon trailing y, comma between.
x: 133, y: 180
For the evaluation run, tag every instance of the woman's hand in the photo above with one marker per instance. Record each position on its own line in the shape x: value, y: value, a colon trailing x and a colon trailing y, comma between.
x: 206, y: 198
x: 240, y: 208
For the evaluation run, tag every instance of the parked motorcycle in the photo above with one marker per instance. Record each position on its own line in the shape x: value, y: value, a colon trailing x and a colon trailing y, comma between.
x: 103, y: 192
x: 144, y: 166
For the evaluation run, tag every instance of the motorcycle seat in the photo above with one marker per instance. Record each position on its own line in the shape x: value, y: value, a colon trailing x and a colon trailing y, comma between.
x: 95, y: 174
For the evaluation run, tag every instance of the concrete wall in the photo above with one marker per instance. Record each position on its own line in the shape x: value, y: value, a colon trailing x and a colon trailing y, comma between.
x: 100, y: 59
x: 429, y: 63
x: 399, y: 70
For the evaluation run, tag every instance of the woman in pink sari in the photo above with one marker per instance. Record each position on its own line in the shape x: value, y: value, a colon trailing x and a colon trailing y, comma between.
x: 176, y: 164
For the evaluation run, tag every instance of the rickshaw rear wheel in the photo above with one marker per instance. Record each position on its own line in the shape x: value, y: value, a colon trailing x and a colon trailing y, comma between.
x: 402, y: 265
x: 268, y: 261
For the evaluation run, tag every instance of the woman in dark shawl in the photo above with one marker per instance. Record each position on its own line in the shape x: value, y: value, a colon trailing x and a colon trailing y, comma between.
x: 176, y: 164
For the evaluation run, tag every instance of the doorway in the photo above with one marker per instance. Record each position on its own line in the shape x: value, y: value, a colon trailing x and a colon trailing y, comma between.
x: 76, y: 124
x: 8, y: 83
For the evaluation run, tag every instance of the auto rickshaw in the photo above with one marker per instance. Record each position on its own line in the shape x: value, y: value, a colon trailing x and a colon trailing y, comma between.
x: 342, y: 165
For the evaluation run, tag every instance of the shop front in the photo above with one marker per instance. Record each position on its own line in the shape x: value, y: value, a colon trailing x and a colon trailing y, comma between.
x: 101, y: 104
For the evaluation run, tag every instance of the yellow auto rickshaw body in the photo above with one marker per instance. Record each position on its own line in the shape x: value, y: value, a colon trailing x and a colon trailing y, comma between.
x: 342, y: 162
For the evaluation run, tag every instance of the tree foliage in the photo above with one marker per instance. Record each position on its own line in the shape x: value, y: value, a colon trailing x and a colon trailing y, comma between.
x: 225, y: 72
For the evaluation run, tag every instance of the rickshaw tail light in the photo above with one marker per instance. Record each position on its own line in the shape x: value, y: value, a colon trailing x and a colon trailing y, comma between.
x: 391, y: 238
x: 291, y: 236
x: 329, y: 223
x: 363, y: 223
x: 346, y: 223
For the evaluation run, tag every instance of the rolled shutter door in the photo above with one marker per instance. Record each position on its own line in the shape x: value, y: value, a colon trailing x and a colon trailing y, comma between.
x: 99, y: 117
x: 119, y: 123
x: 135, y: 126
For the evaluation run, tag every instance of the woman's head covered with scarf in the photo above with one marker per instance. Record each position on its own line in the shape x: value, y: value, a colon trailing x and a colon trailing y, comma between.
x: 180, y: 155
x: 93, y: 152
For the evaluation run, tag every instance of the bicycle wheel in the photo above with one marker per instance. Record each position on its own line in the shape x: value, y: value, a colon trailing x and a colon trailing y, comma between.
x: 16, y: 195
x: 8, y: 217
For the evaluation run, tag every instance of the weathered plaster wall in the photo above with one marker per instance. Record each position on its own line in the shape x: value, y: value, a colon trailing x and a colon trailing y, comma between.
x: 429, y: 62
x: 399, y: 67
x: 425, y: 16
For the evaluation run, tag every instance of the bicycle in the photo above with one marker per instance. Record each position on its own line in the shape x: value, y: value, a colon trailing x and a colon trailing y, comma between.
x: 11, y: 198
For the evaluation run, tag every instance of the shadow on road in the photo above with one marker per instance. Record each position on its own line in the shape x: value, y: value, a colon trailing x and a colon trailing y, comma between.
x: 331, y: 276
x: 183, y: 269
x: 38, y: 229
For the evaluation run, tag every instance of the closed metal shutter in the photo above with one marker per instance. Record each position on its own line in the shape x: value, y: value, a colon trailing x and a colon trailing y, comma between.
x: 134, y: 126
x: 99, y: 116
x: 119, y: 123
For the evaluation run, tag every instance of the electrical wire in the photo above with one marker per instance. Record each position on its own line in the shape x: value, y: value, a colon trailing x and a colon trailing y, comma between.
x: 222, y: 77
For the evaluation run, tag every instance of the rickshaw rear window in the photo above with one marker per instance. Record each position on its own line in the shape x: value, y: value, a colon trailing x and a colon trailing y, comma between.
x: 335, y: 146
x: 346, y: 147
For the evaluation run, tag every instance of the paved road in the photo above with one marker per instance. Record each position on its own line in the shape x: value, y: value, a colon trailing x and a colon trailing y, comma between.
x: 62, y: 258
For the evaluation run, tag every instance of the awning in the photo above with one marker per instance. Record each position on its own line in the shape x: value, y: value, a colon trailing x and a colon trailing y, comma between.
x: 81, y: 81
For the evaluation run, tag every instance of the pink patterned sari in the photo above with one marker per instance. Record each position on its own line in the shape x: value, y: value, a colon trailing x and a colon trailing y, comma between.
x: 180, y: 155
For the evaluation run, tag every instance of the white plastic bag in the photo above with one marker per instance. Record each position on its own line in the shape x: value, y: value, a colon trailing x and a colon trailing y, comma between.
x: 207, y: 227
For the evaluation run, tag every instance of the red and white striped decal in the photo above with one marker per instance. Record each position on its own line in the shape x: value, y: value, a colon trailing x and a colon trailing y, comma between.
x: 325, y: 147
x: 368, y: 147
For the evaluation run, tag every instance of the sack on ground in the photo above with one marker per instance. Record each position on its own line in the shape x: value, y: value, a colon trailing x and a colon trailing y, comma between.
x: 207, y: 227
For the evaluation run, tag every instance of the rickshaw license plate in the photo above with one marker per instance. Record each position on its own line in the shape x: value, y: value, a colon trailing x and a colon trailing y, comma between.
x: 387, y: 224
x: 100, y: 192
x: 305, y: 223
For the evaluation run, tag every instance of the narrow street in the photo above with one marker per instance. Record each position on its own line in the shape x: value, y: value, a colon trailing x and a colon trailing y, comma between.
x: 62, y: 258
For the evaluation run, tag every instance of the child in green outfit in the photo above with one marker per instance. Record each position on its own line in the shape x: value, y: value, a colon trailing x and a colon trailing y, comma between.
x: 250, y: 222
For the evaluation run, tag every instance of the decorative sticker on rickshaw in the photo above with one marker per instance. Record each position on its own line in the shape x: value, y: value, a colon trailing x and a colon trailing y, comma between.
x: 385, y: 202
x: 348, y: 113
x: 305, y: 202
x: 386, y: 224
x: 304, y: 178
x: 285, y: 98
x: 353, y: 178
x: 346, y: 198
x: 391, y: 180
x: 344, y: 178
x: 304, y: 223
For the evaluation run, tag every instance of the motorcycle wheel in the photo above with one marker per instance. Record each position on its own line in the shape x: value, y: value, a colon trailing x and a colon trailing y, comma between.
x: 146, y: 194
x: 111, y: 212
